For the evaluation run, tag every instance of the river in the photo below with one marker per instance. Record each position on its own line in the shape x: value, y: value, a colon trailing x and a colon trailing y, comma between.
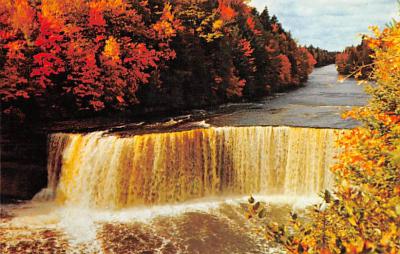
x: 181, y: 185
x: 318, y: 104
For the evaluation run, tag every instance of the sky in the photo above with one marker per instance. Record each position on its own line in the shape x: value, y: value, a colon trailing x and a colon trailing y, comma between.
x: 330, y: 24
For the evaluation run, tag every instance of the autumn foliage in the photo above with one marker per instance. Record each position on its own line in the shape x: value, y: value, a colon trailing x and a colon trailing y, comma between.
x: 63, y: 58
x: 356, y: 61
x: 362, y: 213
x: 322, y: 56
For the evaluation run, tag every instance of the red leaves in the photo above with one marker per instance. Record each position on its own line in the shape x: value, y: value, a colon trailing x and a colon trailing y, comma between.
x: 96, y: 17
x: 47, y: 63
x: 246, y: 47
x: 85, y: 77
x: 307, y: 59
x: 341, y: 61
x: 252, y: 25
x: 97, y: 51
x: 49, y: 37
x: 13, y: 84
x: 285, y: 70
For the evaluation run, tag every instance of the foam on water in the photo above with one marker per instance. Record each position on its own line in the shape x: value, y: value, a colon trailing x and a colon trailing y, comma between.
x: 82, y: 225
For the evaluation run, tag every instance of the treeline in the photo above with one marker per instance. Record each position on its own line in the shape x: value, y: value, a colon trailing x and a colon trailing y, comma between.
x: 355, y: 61
x: 322, y: 56
x: 63, y: 59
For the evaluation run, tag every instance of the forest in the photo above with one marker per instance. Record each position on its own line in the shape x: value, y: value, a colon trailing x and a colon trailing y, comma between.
x: 356, y: 61
x: 322, y: 56
x: 84, y: 58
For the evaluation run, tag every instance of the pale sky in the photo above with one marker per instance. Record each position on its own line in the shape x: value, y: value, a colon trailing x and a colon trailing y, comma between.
x: 330, y: 24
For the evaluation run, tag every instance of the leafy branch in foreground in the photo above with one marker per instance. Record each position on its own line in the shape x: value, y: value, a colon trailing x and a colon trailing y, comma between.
x: 362, y: 215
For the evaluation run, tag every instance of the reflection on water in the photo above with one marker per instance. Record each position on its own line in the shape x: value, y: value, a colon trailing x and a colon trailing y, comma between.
x: 204, y: 226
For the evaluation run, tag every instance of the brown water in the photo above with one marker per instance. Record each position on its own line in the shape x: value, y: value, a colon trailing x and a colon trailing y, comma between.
x: 175, y: 192
x: 201, y: 226
x: 184, y: 191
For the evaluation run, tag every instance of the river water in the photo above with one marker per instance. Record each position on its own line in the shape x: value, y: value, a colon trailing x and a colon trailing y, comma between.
x: 318, y: 104
x: 181, y: 185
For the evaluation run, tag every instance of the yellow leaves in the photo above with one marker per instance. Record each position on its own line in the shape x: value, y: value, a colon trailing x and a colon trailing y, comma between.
x: 375, y: 30
x: 352, y: 221
x: 217, y: 24
x: 210, y: 28
x: 112, y: 49
x: 395, y: 157
x: 386, y: 239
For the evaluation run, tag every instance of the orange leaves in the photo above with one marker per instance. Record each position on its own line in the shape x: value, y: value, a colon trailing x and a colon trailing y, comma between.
x: 307, y: 61
x: 22, y: 17
x: 325, y: 251
x: 77, y: 47
x: 164, y: 29
x: 226, y: 12
x: 97, y: 53
x: 167, y: 26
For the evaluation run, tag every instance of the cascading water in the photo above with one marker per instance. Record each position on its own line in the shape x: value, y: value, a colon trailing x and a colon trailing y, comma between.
x: 101, y: 170
x: 175, y: 192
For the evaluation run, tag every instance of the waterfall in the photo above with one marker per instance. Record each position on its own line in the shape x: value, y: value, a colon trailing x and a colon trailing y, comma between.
x: 106, y: 170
